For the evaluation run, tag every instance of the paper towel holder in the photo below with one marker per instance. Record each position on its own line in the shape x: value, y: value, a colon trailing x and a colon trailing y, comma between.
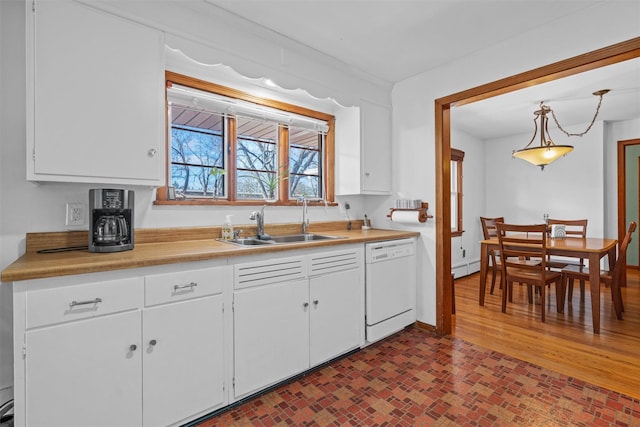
x: 422, y: 212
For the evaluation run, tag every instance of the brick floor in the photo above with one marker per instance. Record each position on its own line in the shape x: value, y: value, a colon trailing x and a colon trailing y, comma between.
x: 418, y: 379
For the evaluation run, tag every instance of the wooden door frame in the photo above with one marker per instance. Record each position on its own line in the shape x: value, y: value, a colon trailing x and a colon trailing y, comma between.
x: 598, y: 58
x: 622, y: 185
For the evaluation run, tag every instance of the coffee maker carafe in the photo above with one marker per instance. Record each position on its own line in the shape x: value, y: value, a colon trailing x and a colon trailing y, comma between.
x: 111, y: 220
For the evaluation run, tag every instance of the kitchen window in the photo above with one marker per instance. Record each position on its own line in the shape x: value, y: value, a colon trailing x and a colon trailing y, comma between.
x: 230, y: 147
x: 457, y: 156
x: 197, y: 154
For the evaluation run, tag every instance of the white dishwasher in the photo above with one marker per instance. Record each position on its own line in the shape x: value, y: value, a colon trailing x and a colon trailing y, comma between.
x: 390, y: 284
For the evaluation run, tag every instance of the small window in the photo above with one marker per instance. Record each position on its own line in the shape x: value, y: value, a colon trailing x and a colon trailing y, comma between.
x: 256, y: 159
x: 197, y: 151
x: 225, y: 149
x: 305, y: 163
x: 457, y: 156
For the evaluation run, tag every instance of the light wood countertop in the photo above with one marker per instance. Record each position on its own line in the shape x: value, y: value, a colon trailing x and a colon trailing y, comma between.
x: 152, y: 252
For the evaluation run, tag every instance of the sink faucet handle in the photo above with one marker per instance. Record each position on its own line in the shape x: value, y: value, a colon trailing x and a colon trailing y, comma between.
x: 258, y: 217
x: 259, y: 213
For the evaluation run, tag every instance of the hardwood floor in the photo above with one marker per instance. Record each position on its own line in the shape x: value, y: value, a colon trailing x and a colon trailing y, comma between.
x: 565, y: 343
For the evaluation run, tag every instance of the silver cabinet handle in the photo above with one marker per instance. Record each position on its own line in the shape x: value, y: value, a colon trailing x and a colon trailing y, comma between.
x: 315, y: 302
x: 153, y: 342
x: 187, y: 286
x: 93, y: 301
x: 152, y: 152
x: 133, y: 347
x: 305, y: 305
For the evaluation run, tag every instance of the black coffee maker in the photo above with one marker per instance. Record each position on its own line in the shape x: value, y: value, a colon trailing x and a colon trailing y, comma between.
x: 111, y: 220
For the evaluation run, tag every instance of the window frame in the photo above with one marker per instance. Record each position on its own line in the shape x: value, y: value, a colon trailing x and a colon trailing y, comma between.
x: 457, y: 156
x: 327, y: 151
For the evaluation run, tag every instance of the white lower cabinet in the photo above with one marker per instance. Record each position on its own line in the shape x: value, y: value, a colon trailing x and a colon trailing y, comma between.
x: 271, y: 331
x: 183, y: 366
x: 154, y: 346
x: 136, y: 351
x: 183, y: 345
x: 336, y: 314
x: 85, y: 373
x: 291, y: 314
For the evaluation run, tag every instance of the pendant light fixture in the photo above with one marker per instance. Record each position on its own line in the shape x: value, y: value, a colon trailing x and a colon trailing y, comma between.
x: 547, y: 152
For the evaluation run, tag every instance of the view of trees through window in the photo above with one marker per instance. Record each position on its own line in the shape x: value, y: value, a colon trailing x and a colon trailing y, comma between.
x: 198, y: 162
x: 228, y: 147
x: 256, y: 159
x: 197, y: 153
x: 305, y: 163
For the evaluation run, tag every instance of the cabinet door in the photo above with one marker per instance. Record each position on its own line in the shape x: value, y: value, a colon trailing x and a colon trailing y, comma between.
x: 95, y: 97
x: 183, y: 360
x: 376, y: 148
x: 85, y: 373
x: 337, y: 317
x: 271, y: 334
x: 348, y: 151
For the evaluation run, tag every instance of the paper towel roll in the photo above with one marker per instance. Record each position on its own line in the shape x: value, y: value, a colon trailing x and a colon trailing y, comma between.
x: 406, y: 217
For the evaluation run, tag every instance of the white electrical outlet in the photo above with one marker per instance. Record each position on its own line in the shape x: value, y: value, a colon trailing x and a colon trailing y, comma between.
x: 75, y: 214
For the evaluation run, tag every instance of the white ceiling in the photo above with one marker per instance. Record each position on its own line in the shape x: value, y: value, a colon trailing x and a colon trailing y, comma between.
x: 394, y: 40
x: 571, y: 99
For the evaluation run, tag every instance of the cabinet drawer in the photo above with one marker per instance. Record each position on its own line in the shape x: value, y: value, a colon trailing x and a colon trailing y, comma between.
x: 50, y: 306
x: 183, y: 285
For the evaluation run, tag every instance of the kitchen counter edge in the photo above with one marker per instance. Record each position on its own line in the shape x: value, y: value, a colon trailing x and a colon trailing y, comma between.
x: 39, y: 266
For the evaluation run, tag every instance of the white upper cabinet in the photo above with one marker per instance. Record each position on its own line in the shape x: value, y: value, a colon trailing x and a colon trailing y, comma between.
x: 95, y: 97
x: 363, y: 149
x: 375, y: 122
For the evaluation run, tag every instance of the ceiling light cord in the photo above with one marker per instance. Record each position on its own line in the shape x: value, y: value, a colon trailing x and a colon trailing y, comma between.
x: 600, y: 94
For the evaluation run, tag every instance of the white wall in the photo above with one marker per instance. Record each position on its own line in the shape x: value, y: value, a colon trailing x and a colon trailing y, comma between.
x: 570, y: 187
x: 465, y: 250
x: 413, y: 102
x: 214, y: 38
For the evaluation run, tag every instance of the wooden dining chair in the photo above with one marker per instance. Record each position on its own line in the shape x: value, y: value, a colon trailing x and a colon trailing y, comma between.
x: 574, y: 228
x: 527, y: 242
x: 610, y: 278
x: 489, y: 231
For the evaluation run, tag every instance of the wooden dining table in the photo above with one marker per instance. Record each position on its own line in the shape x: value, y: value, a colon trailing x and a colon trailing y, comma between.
x: 591, y: 248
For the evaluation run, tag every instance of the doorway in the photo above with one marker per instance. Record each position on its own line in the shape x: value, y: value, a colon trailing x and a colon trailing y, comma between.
x: 628, y: 193
x: 599, y: 58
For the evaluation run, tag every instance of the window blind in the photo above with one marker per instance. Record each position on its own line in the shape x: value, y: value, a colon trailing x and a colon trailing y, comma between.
x: 212, y: 102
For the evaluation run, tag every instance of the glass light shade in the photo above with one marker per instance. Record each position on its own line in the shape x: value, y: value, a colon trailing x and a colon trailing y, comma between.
x: 542, y: 156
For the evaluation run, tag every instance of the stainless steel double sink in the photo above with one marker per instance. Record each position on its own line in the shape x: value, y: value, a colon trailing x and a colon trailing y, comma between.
x: 274, y: 240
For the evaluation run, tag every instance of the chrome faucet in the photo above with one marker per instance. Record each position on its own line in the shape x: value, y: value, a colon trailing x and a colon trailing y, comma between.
x: 305, y: 214
x: 258, y: 217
